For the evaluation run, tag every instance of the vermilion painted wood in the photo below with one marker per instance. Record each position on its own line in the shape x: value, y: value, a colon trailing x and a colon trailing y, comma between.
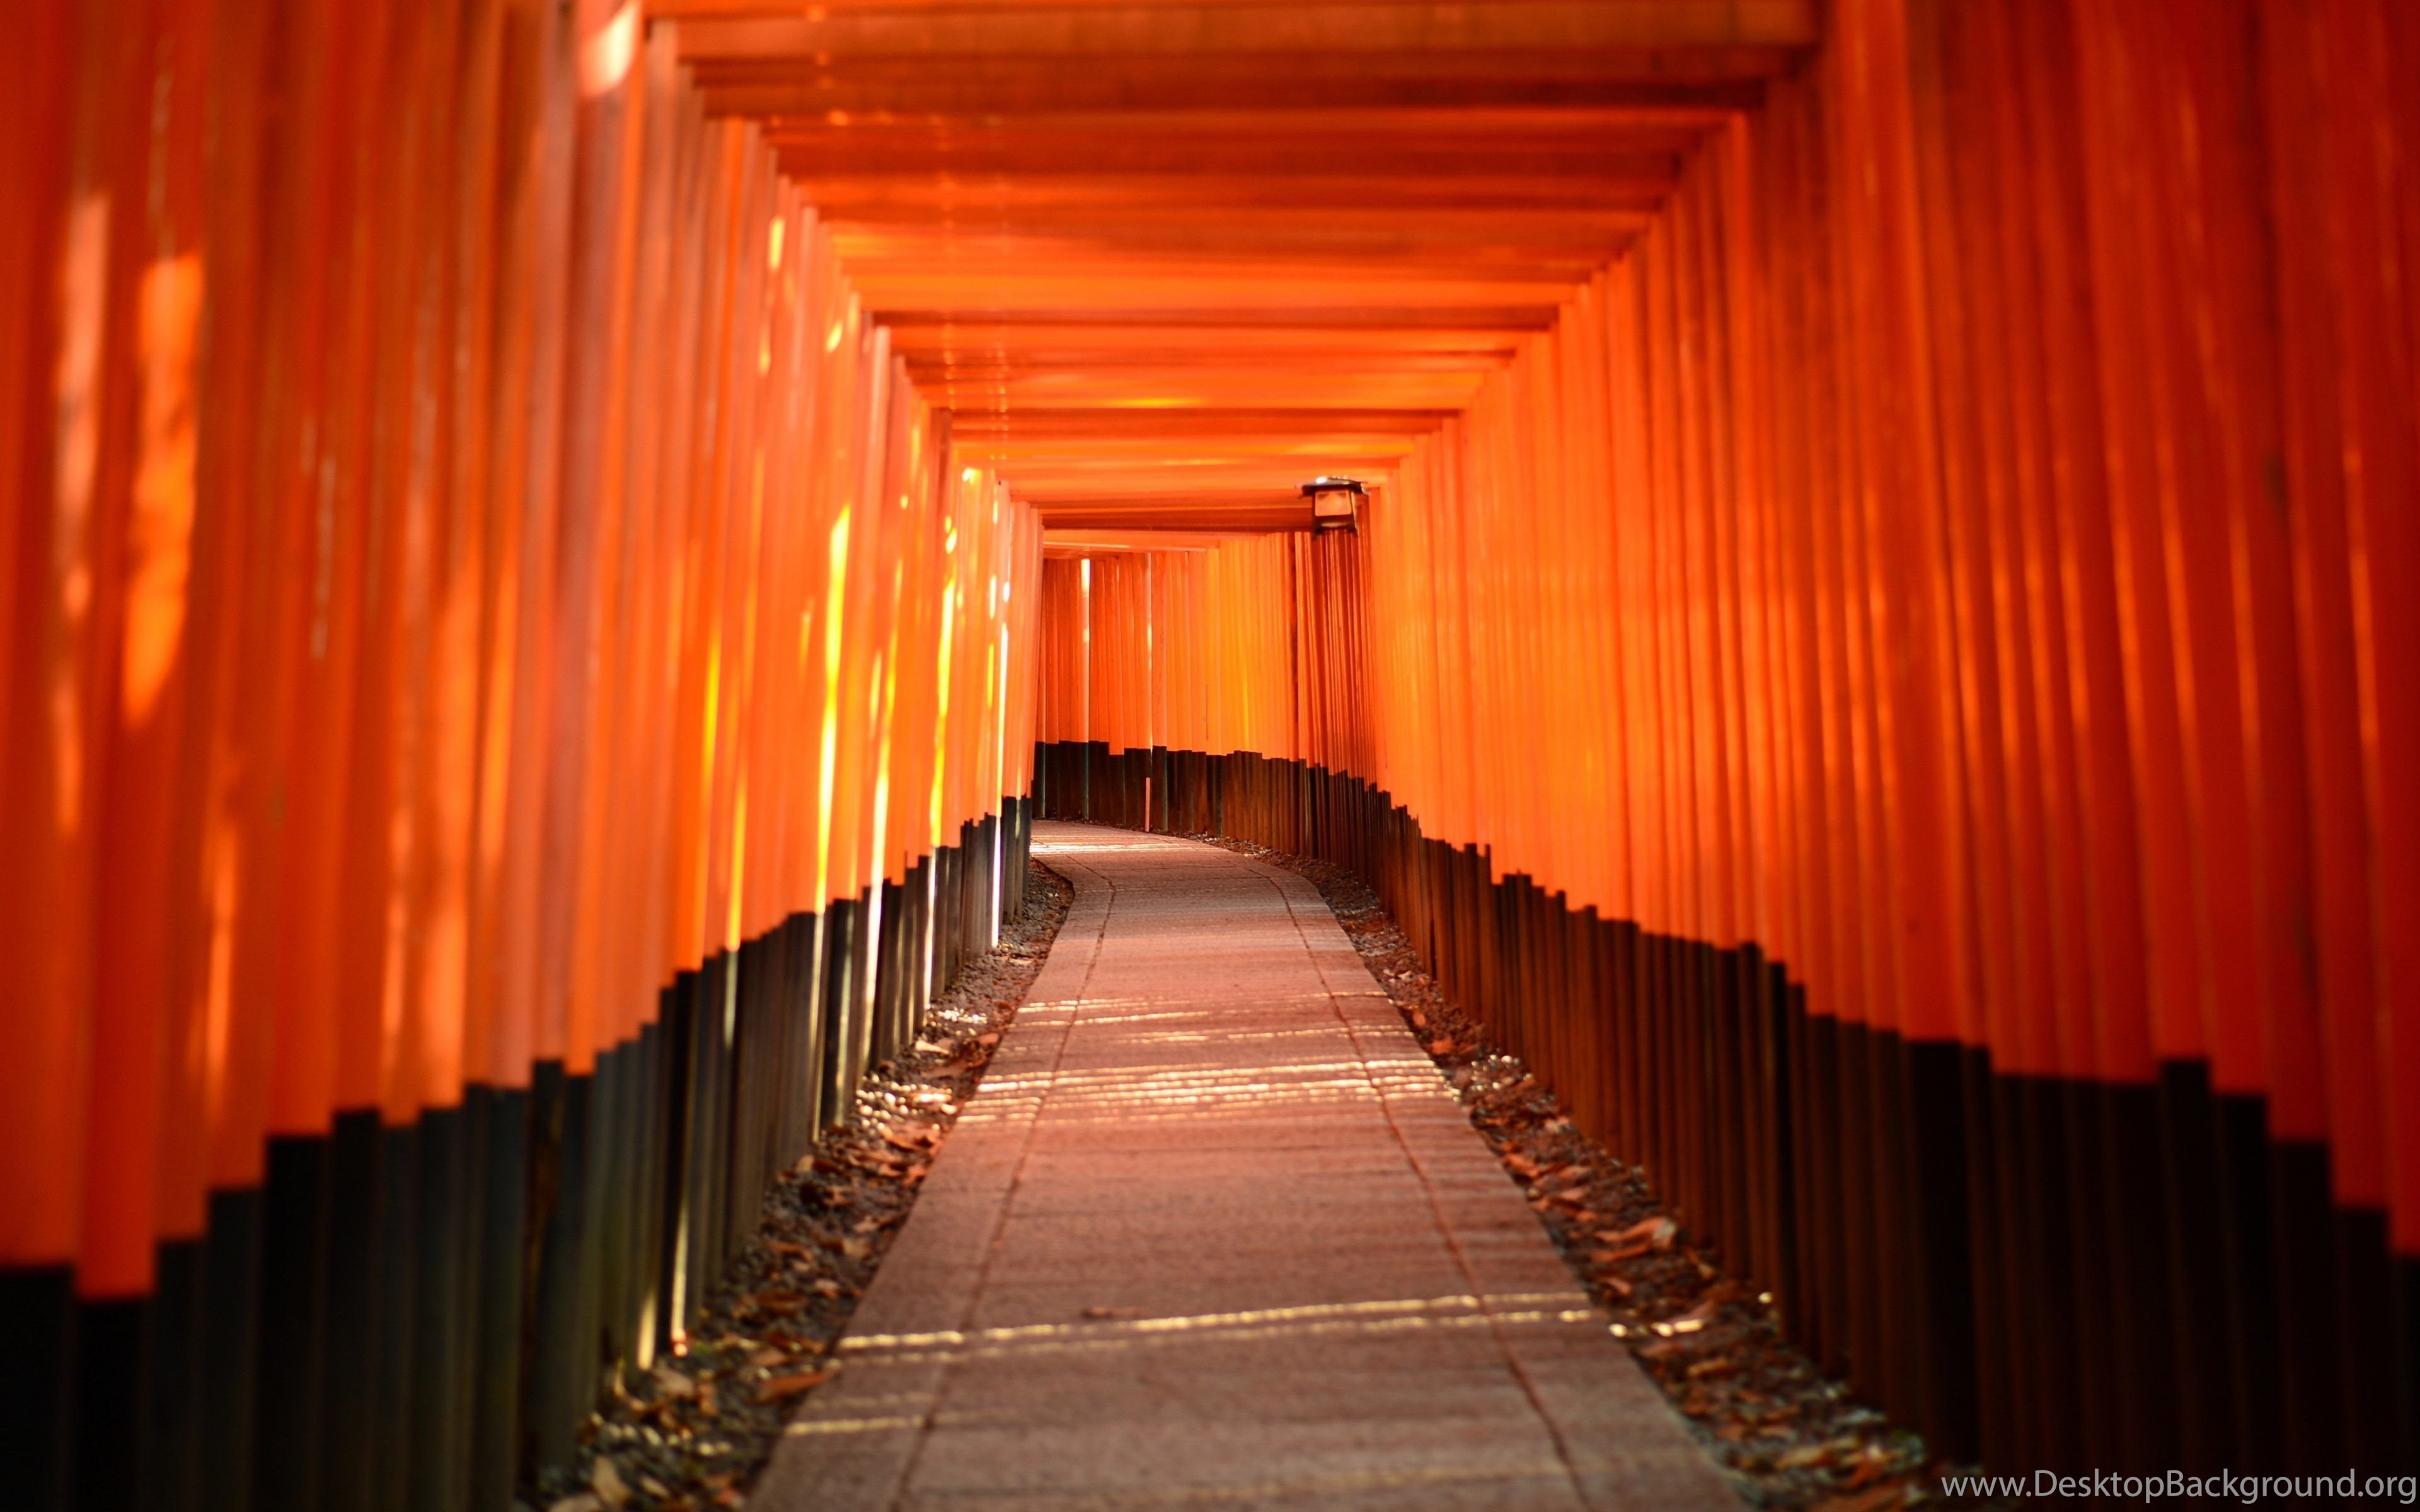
x: 130, y: 500
x: 1927, y: 501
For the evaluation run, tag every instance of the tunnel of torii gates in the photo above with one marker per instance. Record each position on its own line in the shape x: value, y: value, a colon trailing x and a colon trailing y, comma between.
x: 555, y: 549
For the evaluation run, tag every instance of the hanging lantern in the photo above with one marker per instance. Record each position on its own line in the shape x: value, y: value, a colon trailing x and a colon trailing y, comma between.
x: 1335, y: 504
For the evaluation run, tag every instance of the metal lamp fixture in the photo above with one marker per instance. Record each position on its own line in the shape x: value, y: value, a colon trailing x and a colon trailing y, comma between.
x: 1335, y: 503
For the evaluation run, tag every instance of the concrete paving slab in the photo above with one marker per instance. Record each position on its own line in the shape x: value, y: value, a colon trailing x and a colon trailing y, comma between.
x: 1212, y: 1232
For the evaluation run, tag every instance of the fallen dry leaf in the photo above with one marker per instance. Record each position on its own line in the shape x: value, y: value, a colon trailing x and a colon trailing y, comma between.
x: 1816, y: 1454
x: 1701, y: 1314
x: 989, y: 1039
x: 781, y: 1388
x: 1874, y: 1464
x: 1875, y: 1499
x: 670, y: 1382
x: 1656, y: 1233
x: 606, y: 1481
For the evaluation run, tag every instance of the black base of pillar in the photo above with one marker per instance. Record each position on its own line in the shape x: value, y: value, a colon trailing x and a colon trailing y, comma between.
x: 37, y: 1337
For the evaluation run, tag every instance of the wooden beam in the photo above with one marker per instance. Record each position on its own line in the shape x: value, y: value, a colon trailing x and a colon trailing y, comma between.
x: 1091, y: 540
x: 1727, y: 79
x: 1054, y: 34
x: 844, y: 196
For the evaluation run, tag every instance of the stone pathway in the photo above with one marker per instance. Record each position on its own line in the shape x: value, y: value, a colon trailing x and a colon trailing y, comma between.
x: 1212, y: 1232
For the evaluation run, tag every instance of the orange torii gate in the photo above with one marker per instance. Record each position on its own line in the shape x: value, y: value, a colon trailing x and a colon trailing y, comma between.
x: 548, y: 547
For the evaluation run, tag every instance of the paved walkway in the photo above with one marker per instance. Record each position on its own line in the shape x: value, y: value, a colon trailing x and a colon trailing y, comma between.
x: 1212, y: 1234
